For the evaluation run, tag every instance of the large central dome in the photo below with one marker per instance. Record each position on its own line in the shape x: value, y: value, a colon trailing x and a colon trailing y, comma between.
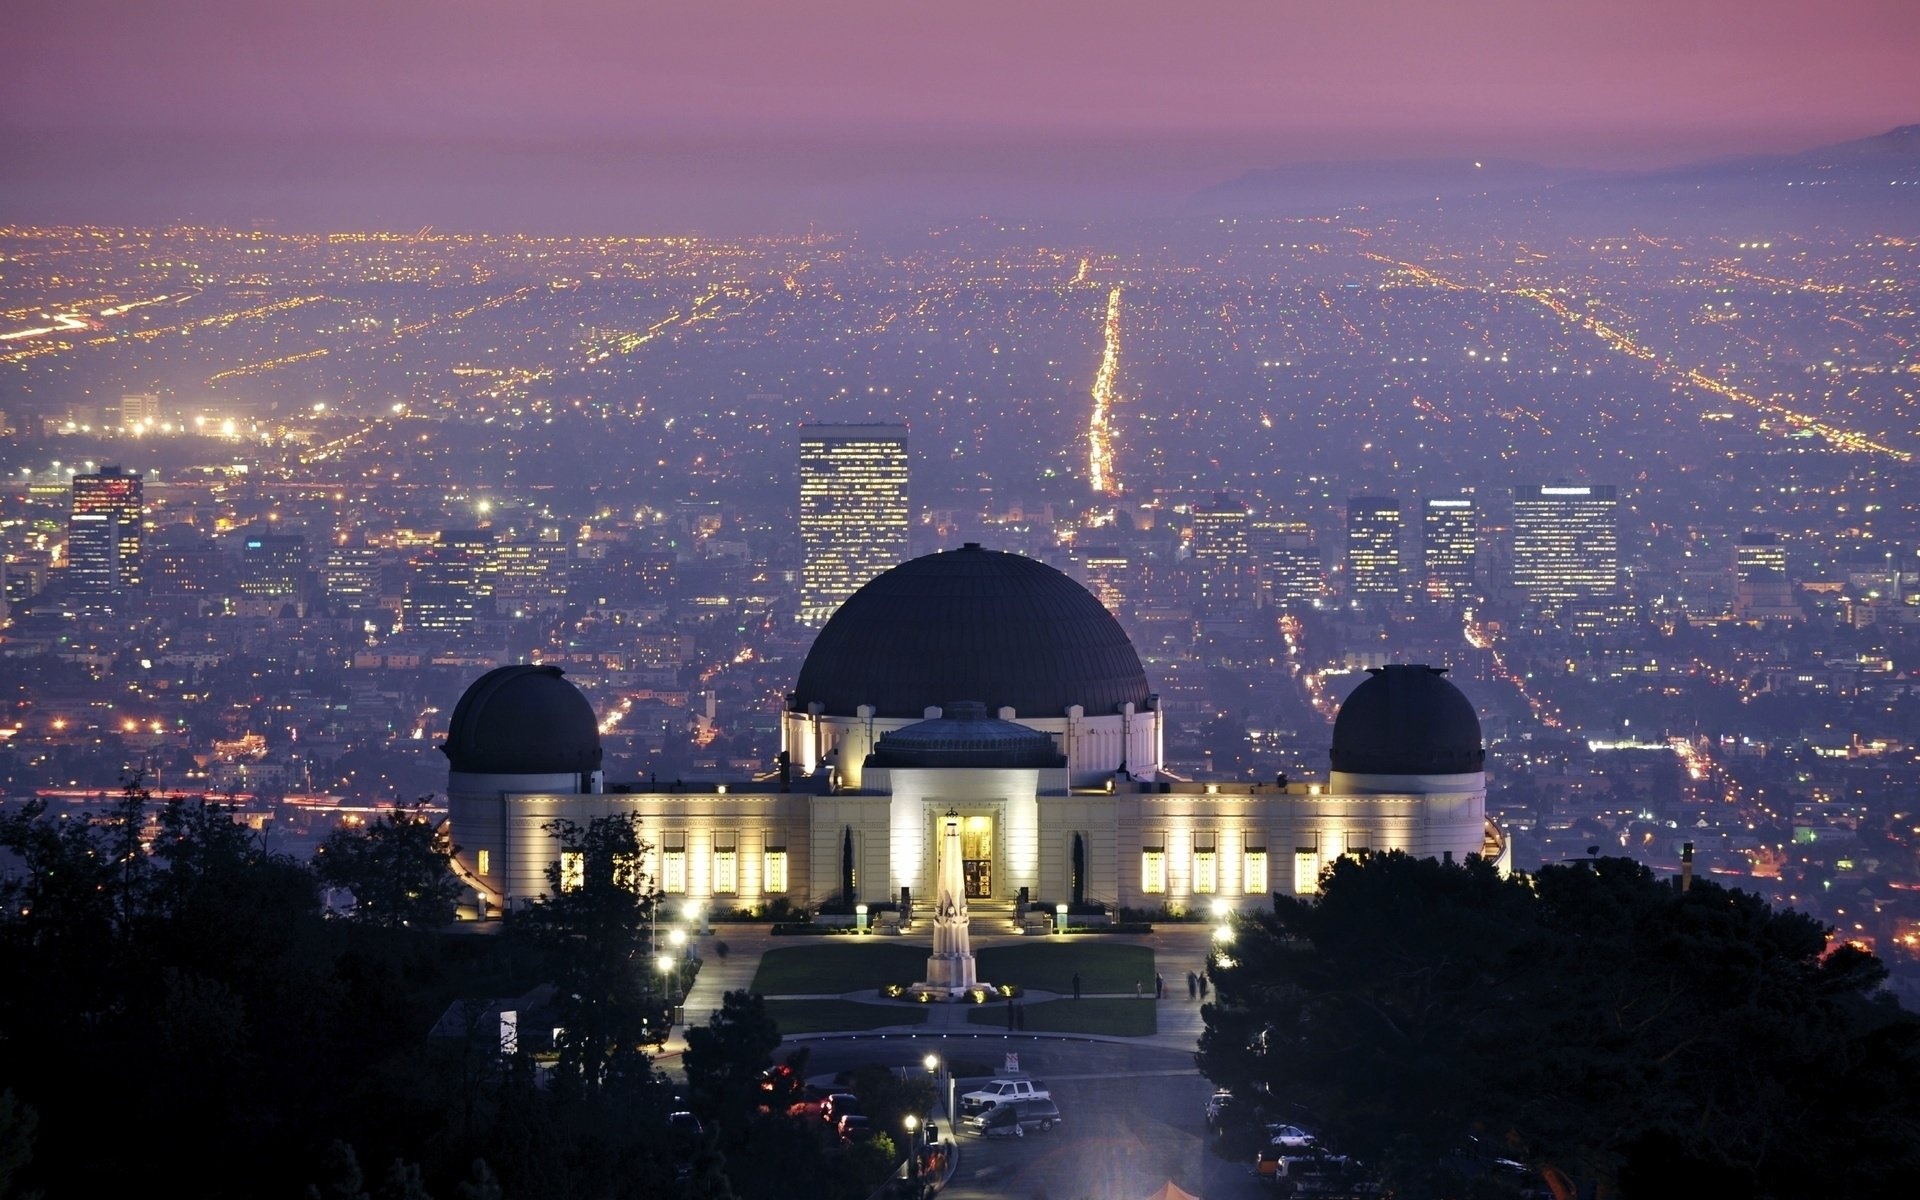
x: 999, y: 627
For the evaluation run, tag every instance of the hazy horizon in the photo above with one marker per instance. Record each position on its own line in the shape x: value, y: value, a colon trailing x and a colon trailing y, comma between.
x: 594, y: 116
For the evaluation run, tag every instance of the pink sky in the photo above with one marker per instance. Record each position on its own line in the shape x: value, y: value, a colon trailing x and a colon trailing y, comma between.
x: 1607, y: 82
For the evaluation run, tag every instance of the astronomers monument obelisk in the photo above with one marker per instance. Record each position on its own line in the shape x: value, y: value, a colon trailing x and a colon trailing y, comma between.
x: 950, y: 966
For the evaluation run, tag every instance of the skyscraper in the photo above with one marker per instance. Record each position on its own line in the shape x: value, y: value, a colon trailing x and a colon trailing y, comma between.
x: 1762, y: 589
x: 451, y: 583
x: 1566, y: 543
x: 1291, y: 572
x: 1450, y: 539
x: 273, y: 572
x: 853, y: 511
x: 103, y: 533
x: 1226, y: 578
x: 1373, y: 548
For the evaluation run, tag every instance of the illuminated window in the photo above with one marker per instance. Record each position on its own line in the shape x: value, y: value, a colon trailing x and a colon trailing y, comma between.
x: 673, y: 864
x: 1206, y: 865
x: 1253, y: 870
x: 485, y: 863
x: 726, y: 865
x: 1153, y: 868
x: 573, y: 870
x: 627, y: 872
x: 1359, y: 842
x: 1306, y: 867
x: 775, y: 869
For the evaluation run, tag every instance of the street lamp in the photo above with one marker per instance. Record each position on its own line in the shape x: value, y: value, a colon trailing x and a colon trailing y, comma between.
x: 666, y: 964
x: 913, y: 1152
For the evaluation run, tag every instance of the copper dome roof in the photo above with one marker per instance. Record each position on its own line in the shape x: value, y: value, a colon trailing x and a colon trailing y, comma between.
x: 1003, y: 628
x: 523, y: 720
x: 1407, y: 719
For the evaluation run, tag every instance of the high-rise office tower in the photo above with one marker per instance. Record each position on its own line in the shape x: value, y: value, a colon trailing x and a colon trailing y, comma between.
x: 273, y: 570
x: 139, y: 410
x: 1373, y: 548
x: 1226, y: 578
x: 103, y: 533
x: 853, y: 511
x: 1291, y: 572
x: 451, y: 583
x: 350, y: 576
x: 183, y: 562
x: 1449, y: 540
x: 1110, y: 576
x: 1220, y: 530
x: 1566, y: 543
x: 1762, y: 589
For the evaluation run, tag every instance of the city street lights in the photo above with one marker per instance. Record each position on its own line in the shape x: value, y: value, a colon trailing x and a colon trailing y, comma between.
x: 913, y: 1152
x: 677, y: 938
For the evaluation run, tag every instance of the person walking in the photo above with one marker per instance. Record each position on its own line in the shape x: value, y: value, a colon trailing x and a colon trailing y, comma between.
x: 1076, y: 985
x: 1159, y: 986
x: 1137, y: 993
x: 1193, y: 986
x: 1203, y: 985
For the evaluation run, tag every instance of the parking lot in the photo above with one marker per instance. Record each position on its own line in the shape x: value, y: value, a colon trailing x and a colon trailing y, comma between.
x: 1132, y: 1119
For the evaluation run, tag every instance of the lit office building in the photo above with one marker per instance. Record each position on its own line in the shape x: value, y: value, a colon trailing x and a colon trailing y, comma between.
x: 1220, y: 530
x: 1291, y: 573
x: 853, y: 511
x: 1110, y: 576
x: 1762, y: 589
x: 1373, y: 548
x: 104, y: 534
x: 451, y: 583
x: 273, y: 572
x: 1227, y: 582
x: 350, y: 577
x: 1450, y: 539
x: 1566, y: 543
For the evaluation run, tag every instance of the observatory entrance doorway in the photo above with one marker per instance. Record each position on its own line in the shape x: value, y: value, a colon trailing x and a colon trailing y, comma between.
x: 976, y: 855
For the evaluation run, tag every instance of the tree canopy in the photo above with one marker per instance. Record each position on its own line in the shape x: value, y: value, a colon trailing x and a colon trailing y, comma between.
x: 1591, y: 1021
x: 399, y: 869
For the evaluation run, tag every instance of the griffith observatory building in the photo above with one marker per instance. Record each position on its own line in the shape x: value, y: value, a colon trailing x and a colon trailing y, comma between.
x: 994, y: 687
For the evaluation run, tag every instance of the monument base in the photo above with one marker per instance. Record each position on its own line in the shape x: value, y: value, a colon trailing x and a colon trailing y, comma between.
x: 941, y: 993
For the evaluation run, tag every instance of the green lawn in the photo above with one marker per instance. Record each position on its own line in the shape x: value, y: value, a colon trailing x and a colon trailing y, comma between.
x: 831, y: 1016
x: 1115, y: 1016
x: 1050, y: 966
x: 822, y: 966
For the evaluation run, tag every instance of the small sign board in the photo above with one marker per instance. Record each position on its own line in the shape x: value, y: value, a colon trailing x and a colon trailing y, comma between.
x: 1011, y: 1066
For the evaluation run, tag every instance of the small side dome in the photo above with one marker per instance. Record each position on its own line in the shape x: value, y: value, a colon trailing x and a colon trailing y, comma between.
x: 965, y: 736
x: 1407, y: 720
x: 523, y: 720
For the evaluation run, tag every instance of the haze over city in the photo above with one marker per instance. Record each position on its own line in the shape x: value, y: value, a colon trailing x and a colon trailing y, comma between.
x: 1281, y: 497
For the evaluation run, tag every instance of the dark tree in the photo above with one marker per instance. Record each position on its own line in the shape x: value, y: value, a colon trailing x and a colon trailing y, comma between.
x: 847, y: 877
x: 726, y: 1058
x: 1078, y: 886
x: 594, y: 932
x: 1591, y: 1021
x: 399, y: 869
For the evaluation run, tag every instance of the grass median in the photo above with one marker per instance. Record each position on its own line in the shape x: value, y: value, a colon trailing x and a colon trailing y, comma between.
x: 1050, y: 966
x: 1110, y: 1015
x: 833, y: 1016
x: 848, y: 965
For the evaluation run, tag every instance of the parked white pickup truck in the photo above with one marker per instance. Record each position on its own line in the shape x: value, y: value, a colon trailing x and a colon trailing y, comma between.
x: 1001, y: 1091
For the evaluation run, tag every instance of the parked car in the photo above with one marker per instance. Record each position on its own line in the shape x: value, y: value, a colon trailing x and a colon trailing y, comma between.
x: 1290, y: 1137
x: 854, y: 1128
x: 1012, y: 1118
x: 1217, y: 1105
x: 838, y: 1105
x: 684, y: 1124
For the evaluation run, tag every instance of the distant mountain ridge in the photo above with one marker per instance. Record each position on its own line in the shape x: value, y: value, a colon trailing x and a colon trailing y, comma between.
x: 1861, y: 168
